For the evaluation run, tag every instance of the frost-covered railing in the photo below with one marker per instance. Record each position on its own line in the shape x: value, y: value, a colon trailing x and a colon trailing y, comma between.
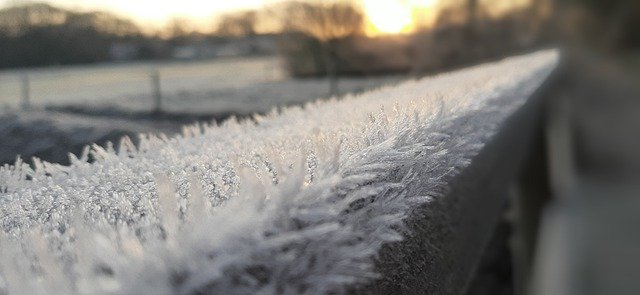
x: 391, y: 190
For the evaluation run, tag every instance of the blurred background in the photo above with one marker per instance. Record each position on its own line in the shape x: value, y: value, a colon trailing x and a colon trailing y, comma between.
x: 118, y: 67
x: 108, y: 54
x: 74, y: 72
x: 97, y: 70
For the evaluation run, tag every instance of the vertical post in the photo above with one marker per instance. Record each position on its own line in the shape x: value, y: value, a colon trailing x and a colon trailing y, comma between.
x: 331, y: 68
x: 157, y: 92
x: 26, y: 92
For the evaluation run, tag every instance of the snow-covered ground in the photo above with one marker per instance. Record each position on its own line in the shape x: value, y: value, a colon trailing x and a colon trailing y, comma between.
x: 294, y: 202
x: 100, y: 83
x: 89, y: 95
x: 244, y: 85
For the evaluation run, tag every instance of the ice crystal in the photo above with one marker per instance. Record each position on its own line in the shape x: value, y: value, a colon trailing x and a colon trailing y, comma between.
x: 297, y: 201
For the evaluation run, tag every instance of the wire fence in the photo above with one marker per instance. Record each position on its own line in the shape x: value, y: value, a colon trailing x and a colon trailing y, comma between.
x: 152, y: 87
x: 216, y: 87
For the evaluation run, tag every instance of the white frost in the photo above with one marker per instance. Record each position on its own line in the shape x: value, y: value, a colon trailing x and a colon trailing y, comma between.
x: 293, y: 202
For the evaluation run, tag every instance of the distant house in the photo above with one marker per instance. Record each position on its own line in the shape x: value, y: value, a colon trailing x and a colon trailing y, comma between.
x: 123, y: 51
x: 228, y: 47
x: 200, y: 50
x: 235, y: 47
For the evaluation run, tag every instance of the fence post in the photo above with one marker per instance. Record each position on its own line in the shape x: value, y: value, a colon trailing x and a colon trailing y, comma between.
x: 26, y: 92
x: 157, y: 91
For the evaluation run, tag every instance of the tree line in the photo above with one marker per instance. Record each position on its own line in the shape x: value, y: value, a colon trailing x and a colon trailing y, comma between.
x: 40, y: 34
x: 324, y: 37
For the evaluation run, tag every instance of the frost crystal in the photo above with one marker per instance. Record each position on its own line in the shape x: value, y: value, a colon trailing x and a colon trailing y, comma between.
x: 298, y: 201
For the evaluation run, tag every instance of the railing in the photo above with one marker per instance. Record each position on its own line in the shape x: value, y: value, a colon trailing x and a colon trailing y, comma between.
x: 394, y: 191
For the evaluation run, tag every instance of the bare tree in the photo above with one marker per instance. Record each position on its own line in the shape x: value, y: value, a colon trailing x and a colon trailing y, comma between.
x: 238, y: 24
x: 472, y: 12
x: 327, y: 22
x: 177, y: 27
x: 609, y: 25
x: 471, y: 30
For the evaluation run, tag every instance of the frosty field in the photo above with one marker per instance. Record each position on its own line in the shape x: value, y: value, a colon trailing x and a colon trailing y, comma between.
x: 244, y: 85
x: 102, y: 102
x: 294, y: 202
x: 97, y: 84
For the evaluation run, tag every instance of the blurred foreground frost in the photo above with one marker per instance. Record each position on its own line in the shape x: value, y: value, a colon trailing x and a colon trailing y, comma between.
x: 292, y: 202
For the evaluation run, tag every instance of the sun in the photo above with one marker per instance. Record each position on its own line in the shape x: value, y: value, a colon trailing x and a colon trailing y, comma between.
x: 393, y: 16
x: 387, y: 17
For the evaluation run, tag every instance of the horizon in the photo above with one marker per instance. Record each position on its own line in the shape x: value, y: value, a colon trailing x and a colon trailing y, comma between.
x: 201, y: 13
x: 383, y: 17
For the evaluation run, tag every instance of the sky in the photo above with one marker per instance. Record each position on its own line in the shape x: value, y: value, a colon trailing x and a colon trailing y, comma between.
x: 157, y: 12
x: 385, y: 16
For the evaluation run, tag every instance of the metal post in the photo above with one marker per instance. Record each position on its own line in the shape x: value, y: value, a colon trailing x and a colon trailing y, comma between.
x: 26, y: 92
x: 157, y: 92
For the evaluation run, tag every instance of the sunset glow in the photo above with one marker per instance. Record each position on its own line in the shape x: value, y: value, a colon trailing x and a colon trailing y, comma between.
x: 383, y: 16
x: 394, y: 16
x: 388, y: 17
x: 159, y: 12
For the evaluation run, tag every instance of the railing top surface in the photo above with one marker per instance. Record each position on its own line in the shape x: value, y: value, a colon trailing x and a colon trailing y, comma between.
x: 296, y: 201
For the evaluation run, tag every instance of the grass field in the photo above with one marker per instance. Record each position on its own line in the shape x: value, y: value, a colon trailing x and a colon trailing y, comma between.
x: 243, y: 85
